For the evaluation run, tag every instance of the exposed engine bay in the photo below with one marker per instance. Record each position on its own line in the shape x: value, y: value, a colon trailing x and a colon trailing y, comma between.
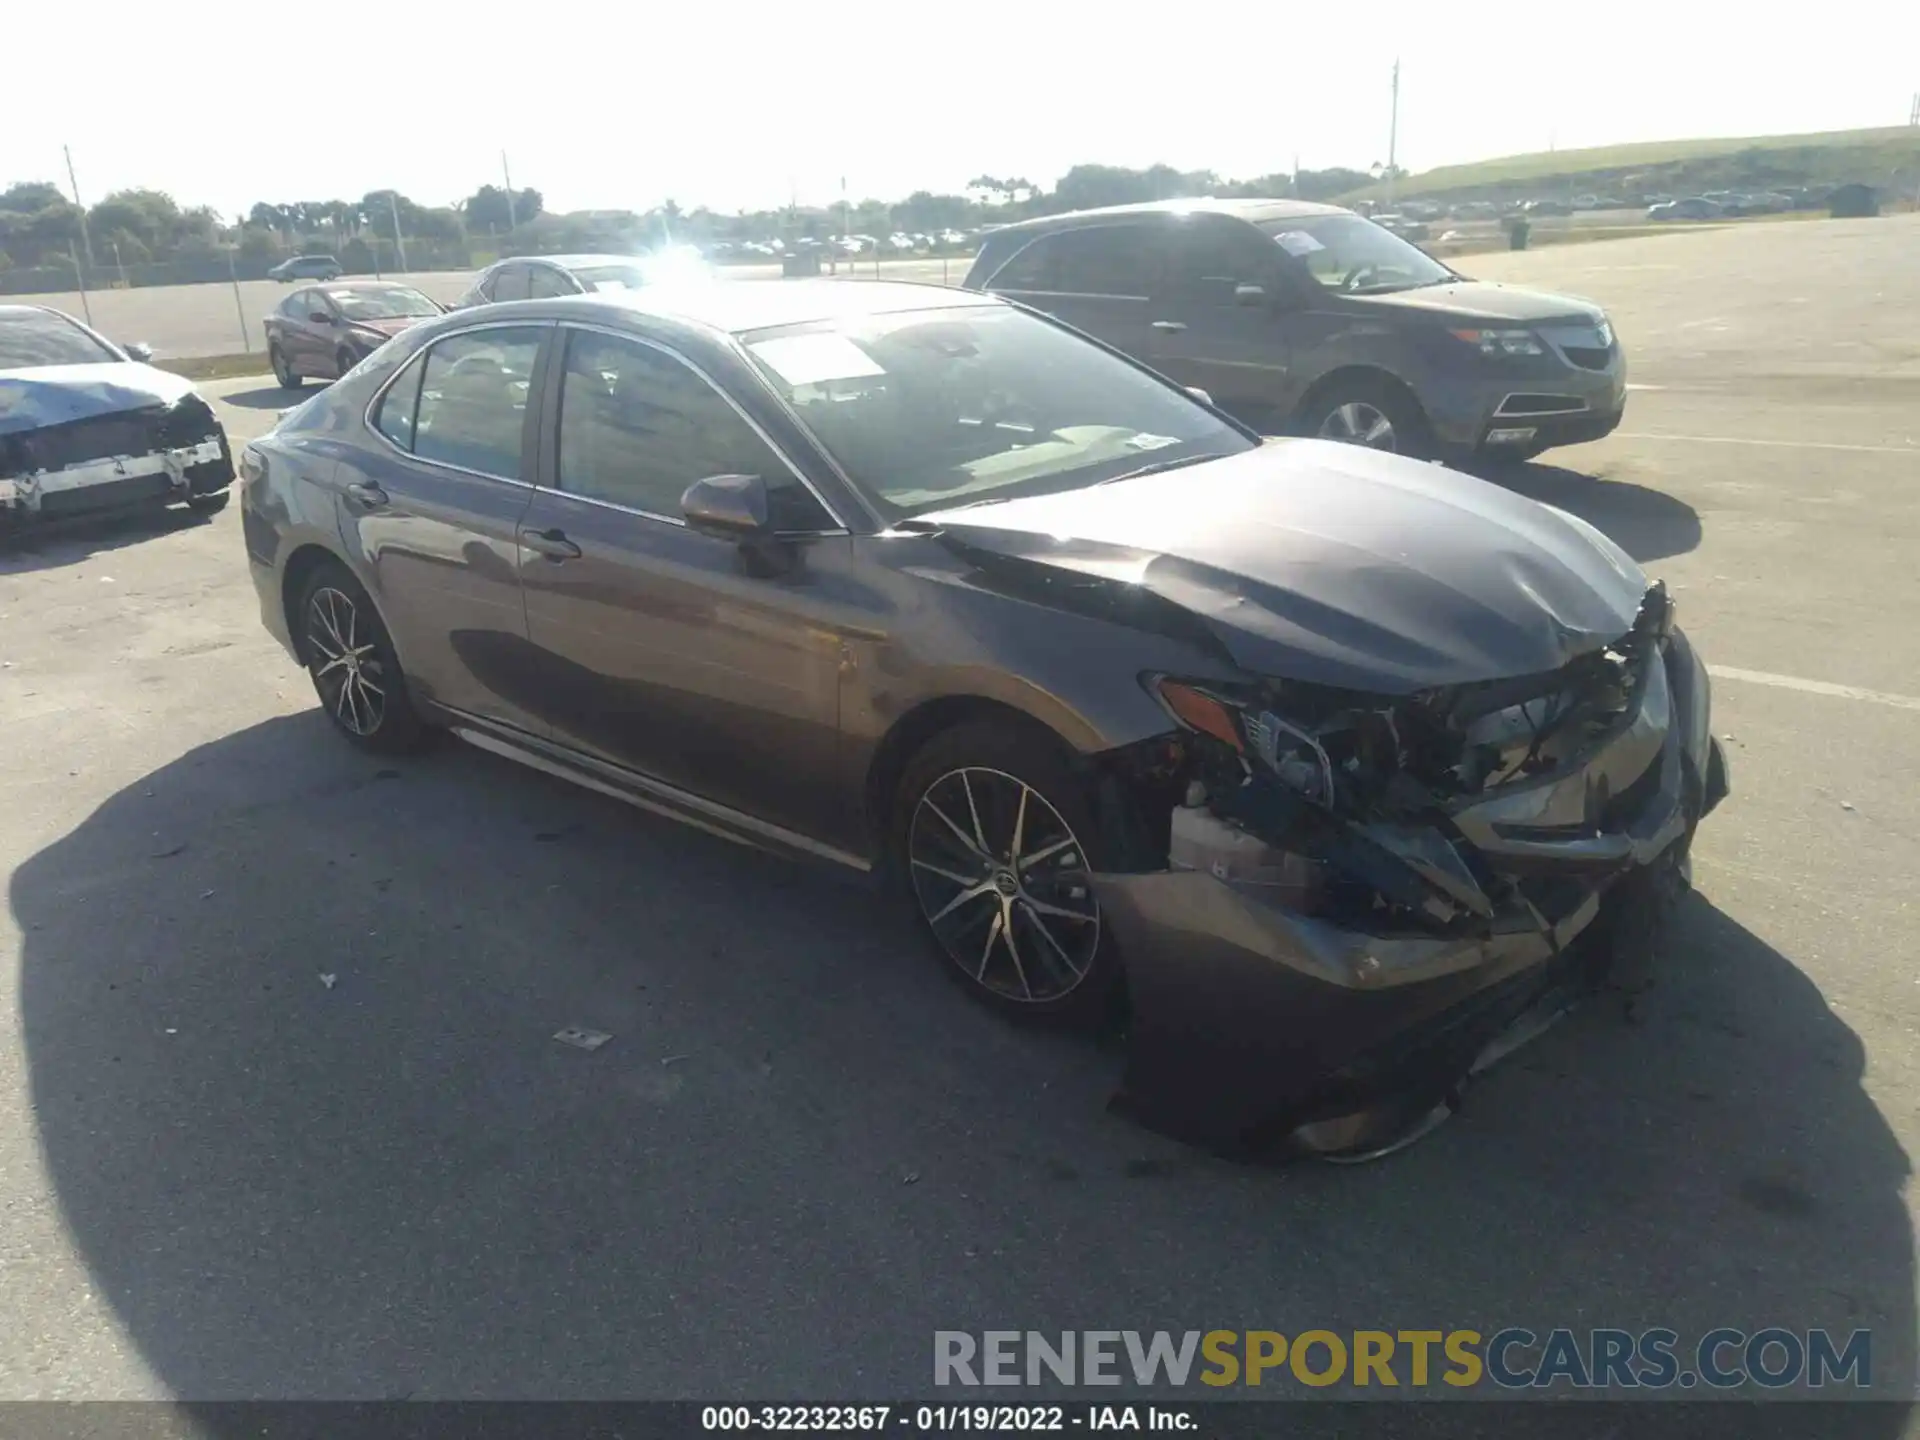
x: 1399, y: 865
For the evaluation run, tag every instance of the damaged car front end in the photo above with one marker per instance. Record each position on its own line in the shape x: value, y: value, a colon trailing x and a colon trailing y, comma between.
x: 1370, y: 897
x: 94, y: 431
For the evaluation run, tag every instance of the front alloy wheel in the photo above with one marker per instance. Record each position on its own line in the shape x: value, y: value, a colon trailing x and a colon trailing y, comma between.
x: 1003, y: 883
x: 1359, y: 423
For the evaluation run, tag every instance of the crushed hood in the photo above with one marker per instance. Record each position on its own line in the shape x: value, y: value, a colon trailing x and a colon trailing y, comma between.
x: 57, y: 394
x: 1336, y: 565
x: 1481, y: 300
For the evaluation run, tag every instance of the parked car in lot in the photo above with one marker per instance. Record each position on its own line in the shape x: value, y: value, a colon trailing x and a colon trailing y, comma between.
x: 539, y: 277
x: 1694, y: 208
x: 87, y: 426
x: 306, y: 267
x: 323, y: 331
x: 1338, y: 764
x: 1309, y: 319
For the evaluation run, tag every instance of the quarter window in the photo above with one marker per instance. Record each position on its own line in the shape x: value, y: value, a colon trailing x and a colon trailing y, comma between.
x: 472, y: 408
x: 393, y: 417
x: 638, y: 426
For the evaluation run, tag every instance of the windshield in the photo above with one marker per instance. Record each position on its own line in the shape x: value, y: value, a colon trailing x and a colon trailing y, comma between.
x: 1354, y: 255
x: 396, y: 304
x: 39, y: 337
x: 934, y: 408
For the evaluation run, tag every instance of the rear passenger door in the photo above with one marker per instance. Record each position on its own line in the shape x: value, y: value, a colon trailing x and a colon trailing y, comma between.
x: 433, y: 515
x: 1097, y: 278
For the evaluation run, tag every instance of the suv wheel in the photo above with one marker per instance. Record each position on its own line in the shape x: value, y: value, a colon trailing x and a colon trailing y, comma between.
x: 1367, y: 412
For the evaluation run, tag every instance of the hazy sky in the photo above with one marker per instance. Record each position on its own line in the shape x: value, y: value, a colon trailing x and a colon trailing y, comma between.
x: 735, y: 103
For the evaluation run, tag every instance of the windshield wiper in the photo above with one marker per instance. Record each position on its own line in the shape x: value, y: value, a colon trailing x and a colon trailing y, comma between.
x: 1160, y: 466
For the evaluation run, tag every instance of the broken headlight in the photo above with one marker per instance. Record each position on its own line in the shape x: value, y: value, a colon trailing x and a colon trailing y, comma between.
x: 1289, y: 752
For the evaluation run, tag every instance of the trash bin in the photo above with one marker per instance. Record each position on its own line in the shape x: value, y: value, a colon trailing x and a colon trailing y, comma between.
x: 800, y: 264
x: 1517, y: 231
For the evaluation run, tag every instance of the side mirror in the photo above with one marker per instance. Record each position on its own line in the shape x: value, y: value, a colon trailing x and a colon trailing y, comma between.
x: 728, y: 507
x: 320, y: 317
x: 1202, y: 396
x: 1250, y: 294
x: 141, y: 352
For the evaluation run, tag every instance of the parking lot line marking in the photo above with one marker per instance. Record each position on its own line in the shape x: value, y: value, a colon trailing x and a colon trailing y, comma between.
x: 1814, y: 687
x: 1635, y: 385
x: 1775, y: 444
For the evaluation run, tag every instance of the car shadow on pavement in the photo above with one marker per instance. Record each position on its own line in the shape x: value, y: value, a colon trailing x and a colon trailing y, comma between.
x: 270, y: 397
x: 44, y: 547
x: 290, y: 1017
x: 1647, y: 524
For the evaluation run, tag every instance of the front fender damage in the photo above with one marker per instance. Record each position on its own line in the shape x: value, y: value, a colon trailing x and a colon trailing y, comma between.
x: 1327, y: 979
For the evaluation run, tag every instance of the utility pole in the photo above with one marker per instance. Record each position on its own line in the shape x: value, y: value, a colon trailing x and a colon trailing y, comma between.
x: 1913, y: 115
x: 86, y: 240
x: 513, y: 217
x: 399, y: 244
x: 1393, y: 133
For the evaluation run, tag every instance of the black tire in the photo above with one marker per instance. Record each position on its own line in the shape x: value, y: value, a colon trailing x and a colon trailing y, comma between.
x: 343, y: 361
x: 368, y: 703
x: 211, y: 503
x: 1345, y: 405
x: 282, y: 371
x: 1063, y: 960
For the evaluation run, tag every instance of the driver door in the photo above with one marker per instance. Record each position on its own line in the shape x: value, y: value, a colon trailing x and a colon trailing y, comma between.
x: 1208, y: 333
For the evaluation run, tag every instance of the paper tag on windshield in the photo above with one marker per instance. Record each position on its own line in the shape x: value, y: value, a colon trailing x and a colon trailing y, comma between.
x: 1144, y: 441
x: 811, y: 359
x: 1297, y: 242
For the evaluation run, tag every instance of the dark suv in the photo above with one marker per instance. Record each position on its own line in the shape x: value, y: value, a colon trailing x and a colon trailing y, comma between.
x: 306, y: 267
x: 1309, y: 319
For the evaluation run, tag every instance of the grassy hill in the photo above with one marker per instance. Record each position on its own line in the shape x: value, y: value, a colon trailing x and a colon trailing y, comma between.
x: 1884, y: 157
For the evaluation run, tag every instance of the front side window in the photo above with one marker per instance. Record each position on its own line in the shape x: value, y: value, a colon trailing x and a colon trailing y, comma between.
x: 1355, y: 256
x: 931, y: 408
x: 1213, y: 255
x: 473, y: 400
x: 544, y: 282
x: 638, y: 426
x: 42, y: 337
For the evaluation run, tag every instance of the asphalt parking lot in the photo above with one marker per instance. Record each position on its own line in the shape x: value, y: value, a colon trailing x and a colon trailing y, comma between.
x: 281, y: 1113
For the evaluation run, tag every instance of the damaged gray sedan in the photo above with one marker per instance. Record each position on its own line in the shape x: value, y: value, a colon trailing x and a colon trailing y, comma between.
x: 1333, y: 771
x: 88, y: 428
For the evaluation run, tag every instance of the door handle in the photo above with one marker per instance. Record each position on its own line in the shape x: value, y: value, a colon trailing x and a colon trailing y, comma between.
x: 368, y: 494
x: 553, y: 544
x: 1171, y: 326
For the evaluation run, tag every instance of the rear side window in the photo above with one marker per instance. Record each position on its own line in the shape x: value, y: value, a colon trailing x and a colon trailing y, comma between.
x: 1110, y: 260
x: 509, y: 283
x: 471, y: 410
x: 393, y: 417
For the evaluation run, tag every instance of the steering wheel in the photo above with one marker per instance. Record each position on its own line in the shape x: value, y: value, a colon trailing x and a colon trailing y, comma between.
x: 1355, y: 276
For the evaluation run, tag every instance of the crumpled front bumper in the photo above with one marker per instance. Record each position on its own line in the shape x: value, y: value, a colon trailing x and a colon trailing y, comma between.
x: 1255, y: 1024
x: 96, y: 485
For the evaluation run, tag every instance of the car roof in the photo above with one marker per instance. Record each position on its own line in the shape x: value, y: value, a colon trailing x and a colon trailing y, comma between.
x: 571, y: 262
x: 7, y: 310
x: 737, y: 306
x: 1250, y: 210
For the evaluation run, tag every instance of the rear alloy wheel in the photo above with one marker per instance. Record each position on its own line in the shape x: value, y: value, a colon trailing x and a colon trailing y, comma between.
x: 355, y: 672
x: 282, y: 371
x: 1371, y: 414
x: 993, y: 839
